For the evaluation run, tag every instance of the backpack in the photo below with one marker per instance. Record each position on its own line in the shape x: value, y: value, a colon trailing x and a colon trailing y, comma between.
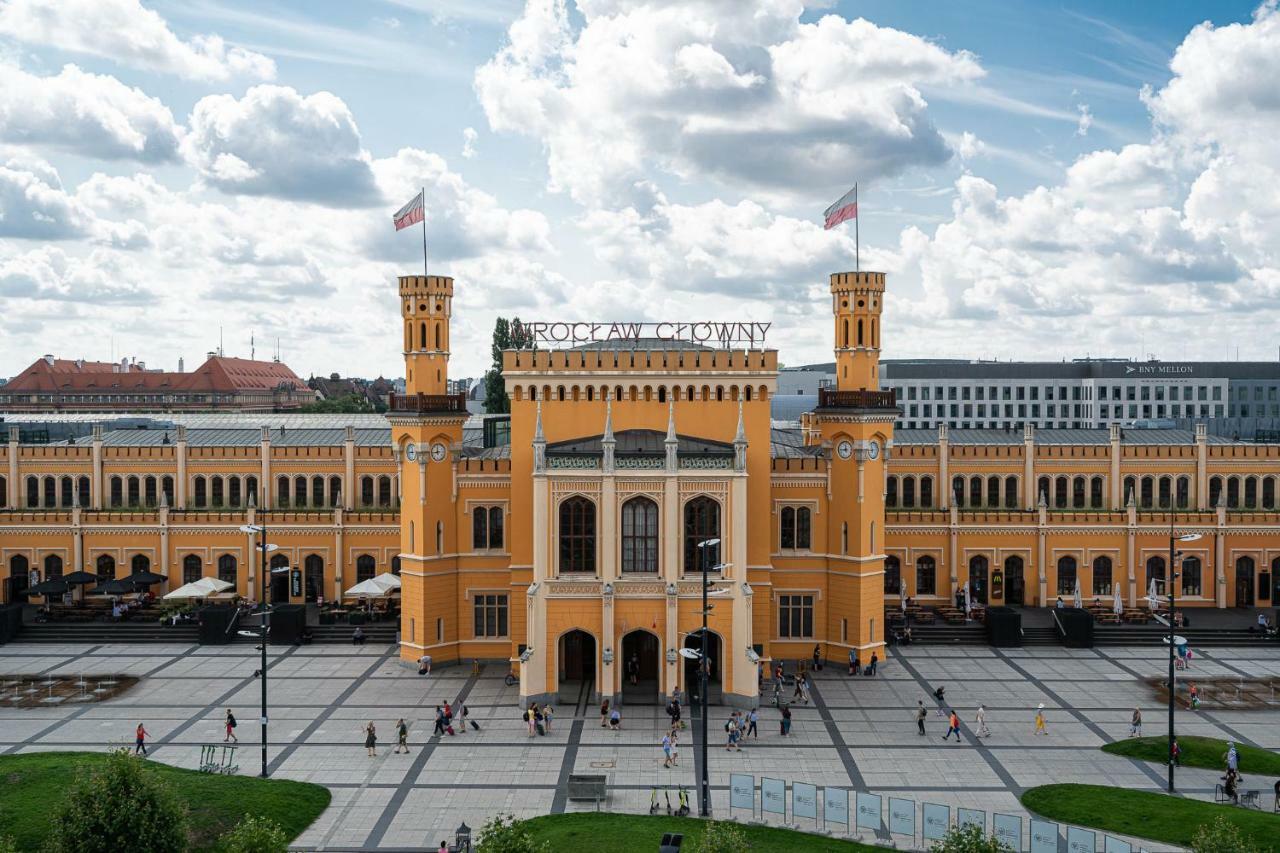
x: 231, y: 721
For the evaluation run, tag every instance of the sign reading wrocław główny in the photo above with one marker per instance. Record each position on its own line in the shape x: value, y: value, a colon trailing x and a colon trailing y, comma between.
x: 573, y: 333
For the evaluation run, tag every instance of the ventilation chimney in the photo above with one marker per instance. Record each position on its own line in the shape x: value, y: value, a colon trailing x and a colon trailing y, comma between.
x: 180, y: 367
x: 48, y: 359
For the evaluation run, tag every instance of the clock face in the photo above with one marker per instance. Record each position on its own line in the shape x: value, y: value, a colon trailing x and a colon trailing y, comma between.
x: 873, y: 449
x: 845, y: 449
x: 410, y: 451
x: 438, y: 451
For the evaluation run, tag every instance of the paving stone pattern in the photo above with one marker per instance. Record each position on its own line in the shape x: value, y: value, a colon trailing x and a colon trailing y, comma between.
x: 860, y: 733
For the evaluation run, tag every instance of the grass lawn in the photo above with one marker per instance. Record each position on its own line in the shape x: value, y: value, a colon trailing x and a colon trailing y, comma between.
x: 603, y: 831
x: 1145, y: 814
x: 32, y: 783
x: 1204, y: 752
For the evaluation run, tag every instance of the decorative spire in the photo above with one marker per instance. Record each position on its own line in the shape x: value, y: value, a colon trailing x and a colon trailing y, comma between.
x: 608, y: 420
x: 253, y: 500
x: 672, y: 443
x: 539, y: 444
x: 740, y: 442
x: 164, y: 499
x: 671, y: 420
x: 608, y: 442
x: 741, y: 436
x: 537, y: 428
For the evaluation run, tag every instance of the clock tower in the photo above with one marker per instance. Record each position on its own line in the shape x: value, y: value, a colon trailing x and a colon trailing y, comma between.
x: 426, y: 431
x: 855, y: 420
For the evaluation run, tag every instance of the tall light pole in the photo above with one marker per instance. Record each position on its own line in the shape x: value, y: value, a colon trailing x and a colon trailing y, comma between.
x: 1173, y: 587
x: 704, y: 785
x: 263, y: 548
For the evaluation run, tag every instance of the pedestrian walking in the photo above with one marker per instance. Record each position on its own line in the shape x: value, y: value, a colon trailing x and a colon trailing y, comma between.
x: 675, y: 748
x: 981, y: 720
x: 798, y: 693
x: 546, y: 718
x: 1040, y: 727
x: 402, y: 736
x: 231, y: 728
x: 633, y: 668
x: 439, y: 729
x: 874, y: 661
x: 922, y: 714
x: 1175, y: 753
x: 1231, y: 757
x: 953, y: 725
x: 371, y: 739
x: 528, y: 718
x: 666, y: 750
x: 752, y: 719
x: 786, y: 721
x: 853, y: 662
x: 604, y: 713
x: 817, y: 658
x: 1135, y: 723
x: 140, y: 740
x: 615, y: 720
x: 731, y: 730
x: 1195, y: 697
x: 539, y: 721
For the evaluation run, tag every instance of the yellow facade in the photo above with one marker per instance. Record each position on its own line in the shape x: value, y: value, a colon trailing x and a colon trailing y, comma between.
x: 575, y: 546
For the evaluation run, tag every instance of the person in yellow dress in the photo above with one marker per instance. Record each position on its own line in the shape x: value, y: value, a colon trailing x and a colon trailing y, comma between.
x: 1040, y: 729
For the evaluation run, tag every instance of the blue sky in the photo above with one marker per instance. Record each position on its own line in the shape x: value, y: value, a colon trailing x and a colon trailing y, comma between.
x: 1039, y: 180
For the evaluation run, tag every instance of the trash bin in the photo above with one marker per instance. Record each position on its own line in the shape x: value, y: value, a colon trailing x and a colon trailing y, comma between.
x: 671, y: 842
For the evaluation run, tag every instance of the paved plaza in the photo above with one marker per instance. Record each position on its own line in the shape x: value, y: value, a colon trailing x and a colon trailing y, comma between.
x: 859, y: 733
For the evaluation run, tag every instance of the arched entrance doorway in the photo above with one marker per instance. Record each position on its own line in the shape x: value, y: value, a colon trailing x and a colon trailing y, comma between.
x: 640, y: 660
x: 1015, y: 585
x: 577, y: 666
x: 978, y: 579
x: 693, y: 640
x: 1244, y: 582
x: 279, y: 579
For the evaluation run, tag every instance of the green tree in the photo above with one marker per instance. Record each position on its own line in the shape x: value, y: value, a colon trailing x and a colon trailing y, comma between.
x: 118, y: 806
x: 1221, y: 836
x: 351, y: 403
x: 504, y: 834
x: 721, y: 837
x: 255, y: 835
x: 969, y: 838
x: 8, y: 845
x: 506, y: 335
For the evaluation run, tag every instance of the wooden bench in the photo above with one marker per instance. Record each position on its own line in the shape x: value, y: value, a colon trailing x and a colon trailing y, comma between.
x: 589, y: 786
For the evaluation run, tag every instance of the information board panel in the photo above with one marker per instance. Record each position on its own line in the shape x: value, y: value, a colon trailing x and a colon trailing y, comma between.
x: 835, y: 806
x: 773, y: 796
x: 869, y: 811
x: 1081, y: 840
x: 902, y: 816
x: 1115, y: 845
x: 937, y: 820
x: 976, y: 817
x: 742, y: 791
x: 804, y: 800
x: 1044, y: 836
x: 1008, y: 829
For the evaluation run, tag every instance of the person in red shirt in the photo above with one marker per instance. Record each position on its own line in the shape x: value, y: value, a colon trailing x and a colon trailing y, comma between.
x: 953, y: 725
x: 140, y: 742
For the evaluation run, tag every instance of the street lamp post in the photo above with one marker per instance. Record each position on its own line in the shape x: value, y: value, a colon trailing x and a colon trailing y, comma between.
x: 1173, y: 587
x: 261, y: 531
x: 704, y: 785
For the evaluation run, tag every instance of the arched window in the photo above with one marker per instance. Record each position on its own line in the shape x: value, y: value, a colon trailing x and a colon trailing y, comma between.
x: 1011, y: 492
x: 1101, y: 575
x: 1233, y: 492
x: 4, y: 492
x: 439, y: 537
x: 957, y: 490
x: 282, y: 492
x: 52, y: 567
x: 909, y: 492
x: 366, y: 491
x: 794, y: 529
x: 926, y: 492
x: 577, y: 535
x: 217, y: 494
x: 192, y: 568
x: 384, y: 491
x: 1215, y: 491
x: 701, y: 523
x: 139, y: 564
x: 844, y: 334
x: 892, y: 576
x: 1066, y: 575
x: 1077, y: 493
x: 233, y: 491
x: 1095, y: 493
x: 1044, y: 491
x: 166, y: 488
x: 975, y: 491
x: 859, y: 333
x: 1268, y: 492
x: 1244, y: 582
x: 993, y: 491
x: 1060, y: 493
x: 486, y: 527
x: 926, y: 576
x: 1250, y: 492
x: 1191, y: 583
x: 422, y: 336
x: 978, y: 578
x: 891, y: 492
x: 639, y: 535
x: 18, y: 566
x: 200, y: 492
x: 395, y: 565
x: 313, y: 577
x: 33, y: 491
x: 106, y: 568
x: 227, y: 568
x: 365, y: 568
x: 1155, y: 571
x: 335, y: 490
x: 1146, y: 498
x: 66, y: 492
x: 134, y: 493
x: 1182, y: 492
x: 300, y: 491
x: 317, y: 491
x: 1165, y: 493
x: 1130, y: 490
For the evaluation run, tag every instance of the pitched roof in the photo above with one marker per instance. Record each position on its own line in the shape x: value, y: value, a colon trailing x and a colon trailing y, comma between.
x: 217, y: 374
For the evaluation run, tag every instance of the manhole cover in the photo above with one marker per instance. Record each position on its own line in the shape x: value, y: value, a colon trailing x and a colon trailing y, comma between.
x: 603, y: 765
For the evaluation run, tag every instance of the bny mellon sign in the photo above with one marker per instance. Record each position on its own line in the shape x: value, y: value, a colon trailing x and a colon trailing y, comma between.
x: 730, y: 334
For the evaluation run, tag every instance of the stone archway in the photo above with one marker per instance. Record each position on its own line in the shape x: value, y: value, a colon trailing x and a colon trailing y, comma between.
x: 641, y: 660
x: 576, y: 665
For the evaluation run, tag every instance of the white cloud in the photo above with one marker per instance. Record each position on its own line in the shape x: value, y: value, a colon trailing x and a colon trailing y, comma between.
x: 741, y: 92
x: 49, y: 274
x: 33, y: 205
x: 126, y: 32
x: 469, y: 137
x: 276, y: 142
x: 1085, y: 121
x: 94, y: 115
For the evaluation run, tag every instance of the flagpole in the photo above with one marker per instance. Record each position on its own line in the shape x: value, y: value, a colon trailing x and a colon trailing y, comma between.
x: 424, y: 232
x: 857, y: 243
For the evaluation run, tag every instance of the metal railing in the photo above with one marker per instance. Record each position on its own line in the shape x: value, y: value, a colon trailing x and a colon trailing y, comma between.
x: 428, y: 403
x: 831, y: 399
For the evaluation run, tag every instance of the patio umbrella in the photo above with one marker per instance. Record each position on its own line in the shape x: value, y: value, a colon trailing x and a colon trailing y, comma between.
x: 1118, y: 607
x: 367, y: 589
x: 114, y: 587
x: 389, y: 582
x: 967, y: 602
x: 52, y: 587
x: 1153, y: 596
x: 145, y: 578
x: 1078, y: 602
x: 202, y: 588
x: 77, y: 578
x: 902, y: 596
